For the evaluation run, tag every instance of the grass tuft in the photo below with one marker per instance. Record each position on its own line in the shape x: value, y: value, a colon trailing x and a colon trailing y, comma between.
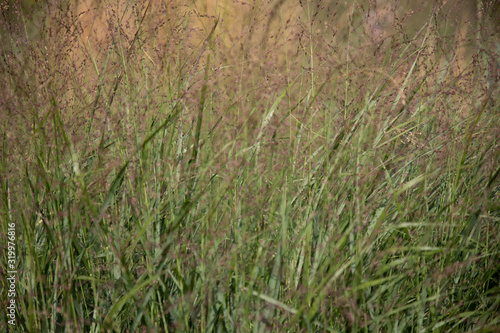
x: 266, y: 166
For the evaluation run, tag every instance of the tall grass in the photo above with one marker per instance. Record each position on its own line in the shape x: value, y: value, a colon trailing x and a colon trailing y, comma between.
x: 294, y: 185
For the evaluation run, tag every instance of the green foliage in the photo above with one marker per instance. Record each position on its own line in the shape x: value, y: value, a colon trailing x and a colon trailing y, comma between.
x: 162, y: 195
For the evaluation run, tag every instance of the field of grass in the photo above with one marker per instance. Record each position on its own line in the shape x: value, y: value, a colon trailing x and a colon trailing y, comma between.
x: 286, y: 181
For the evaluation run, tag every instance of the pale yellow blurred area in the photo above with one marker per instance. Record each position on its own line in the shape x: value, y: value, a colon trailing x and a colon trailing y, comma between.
x: 254, y: 23
x: 260, y: 30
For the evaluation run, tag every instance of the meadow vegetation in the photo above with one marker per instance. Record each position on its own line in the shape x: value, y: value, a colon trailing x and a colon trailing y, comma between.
x: 290, y: 165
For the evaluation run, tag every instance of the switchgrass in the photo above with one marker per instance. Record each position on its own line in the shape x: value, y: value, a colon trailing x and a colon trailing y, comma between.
x: 352, y: 189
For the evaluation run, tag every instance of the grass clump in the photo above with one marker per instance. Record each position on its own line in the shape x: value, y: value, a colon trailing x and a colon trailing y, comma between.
x: 291, y: 181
